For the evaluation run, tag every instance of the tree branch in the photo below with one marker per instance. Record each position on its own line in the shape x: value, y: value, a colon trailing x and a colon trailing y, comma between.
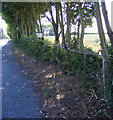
x: 48, y: 18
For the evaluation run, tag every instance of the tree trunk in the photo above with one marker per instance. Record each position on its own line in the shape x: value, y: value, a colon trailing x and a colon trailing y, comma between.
x: 29, y: 29
x: 109, y: 30
x: 40, y: 24
x: 105, y: 60
x: 68, y: 25
x: 55, y: 25
x: 37, y: 27
x: 82, y: 27
x: 82, y: 37
x: 57, y: 22
x: 34, y: 17
x: 62, y: 28
x: 78, y: 31
x: 26, y: 30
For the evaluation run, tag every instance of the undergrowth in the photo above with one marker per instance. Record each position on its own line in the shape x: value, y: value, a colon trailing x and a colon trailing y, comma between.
x: 87, y: 67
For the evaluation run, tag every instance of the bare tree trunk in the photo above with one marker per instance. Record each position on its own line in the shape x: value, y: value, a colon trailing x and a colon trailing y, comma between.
x: 23, y: 31
x: 55, y: 25
x: 68, y: 25
x: 78, y: 31
x: 29, y: 33
x: 62, y: 28
x: 109, y: 30
x: 82, y: 27
x: 40, y: 24
x: 38, y: 27
x: 105, y: 59
x: 35, y: 18
x: 57, y: 22
x: 82, y: 37
x: 26, y: 30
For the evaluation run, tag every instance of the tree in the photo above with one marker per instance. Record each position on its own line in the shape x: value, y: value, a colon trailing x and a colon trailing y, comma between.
x: 62, y: 28
x: 82, y: 26
x: 105, y: 60
x: 79, y: 14
x: 54, y: 22
x: 24, y: 16
x: 68, y: 33
x: 109, y: 30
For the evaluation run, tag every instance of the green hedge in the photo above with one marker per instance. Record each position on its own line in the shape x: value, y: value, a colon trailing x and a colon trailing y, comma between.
x: 71, y: 63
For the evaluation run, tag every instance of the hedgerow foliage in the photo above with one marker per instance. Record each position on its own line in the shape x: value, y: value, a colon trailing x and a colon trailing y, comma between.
x: 86, y: 67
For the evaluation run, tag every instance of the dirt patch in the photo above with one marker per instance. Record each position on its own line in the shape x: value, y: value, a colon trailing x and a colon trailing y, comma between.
x: 60, y: 95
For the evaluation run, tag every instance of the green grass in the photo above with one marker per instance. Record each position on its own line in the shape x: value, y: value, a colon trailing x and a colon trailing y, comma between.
x: 90, y: 40
x: 93, y: 41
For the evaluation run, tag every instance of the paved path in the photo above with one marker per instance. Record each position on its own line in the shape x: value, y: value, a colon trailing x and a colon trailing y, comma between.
x: 18, y: 100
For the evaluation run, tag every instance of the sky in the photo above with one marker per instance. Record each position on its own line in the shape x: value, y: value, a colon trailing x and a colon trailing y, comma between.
x: 87, y: 30
x: 3, y: 25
